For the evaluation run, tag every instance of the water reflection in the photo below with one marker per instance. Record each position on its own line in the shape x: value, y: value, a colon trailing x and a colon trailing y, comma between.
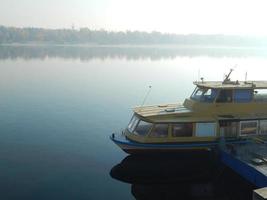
x: 180, y: 176
x: 124, y: 52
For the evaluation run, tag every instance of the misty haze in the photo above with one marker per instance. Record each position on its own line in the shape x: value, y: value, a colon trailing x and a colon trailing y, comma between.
x: 71, y: 73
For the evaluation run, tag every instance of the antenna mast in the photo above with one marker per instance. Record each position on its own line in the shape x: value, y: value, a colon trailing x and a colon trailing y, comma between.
x: 149, y: 90
x: 227, y: 77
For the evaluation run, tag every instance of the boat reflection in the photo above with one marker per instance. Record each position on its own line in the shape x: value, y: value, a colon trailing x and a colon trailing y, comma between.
x: 180, y: 176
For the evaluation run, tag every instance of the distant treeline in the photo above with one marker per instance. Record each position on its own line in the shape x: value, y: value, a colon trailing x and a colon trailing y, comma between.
x: 10, y: 35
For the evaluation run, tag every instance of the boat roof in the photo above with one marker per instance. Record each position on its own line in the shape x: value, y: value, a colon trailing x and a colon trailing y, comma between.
x: 232, y: 84
x: 173, y: 112
x: 153, y: 110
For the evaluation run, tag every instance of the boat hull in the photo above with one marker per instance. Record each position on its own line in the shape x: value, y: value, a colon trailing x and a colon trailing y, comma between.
x: 132, y: 147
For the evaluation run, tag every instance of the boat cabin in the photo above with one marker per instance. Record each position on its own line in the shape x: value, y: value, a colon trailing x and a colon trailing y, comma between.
x: 233, y: 92
x: 144, y: 131
x: 215, y: 109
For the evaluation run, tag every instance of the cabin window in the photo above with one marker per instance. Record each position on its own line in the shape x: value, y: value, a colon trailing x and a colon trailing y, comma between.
x: 204, y: 94
x: 263, y: 126
x: 134, y: 121
x: 260, y: 95
x: 205, y: 129
x: 225, y: 96
x: 160, y: 130
x: 143, y: 128
x: 197, y: 93
x: 209, y: 95
x: 182, y: 130
x: 242, y: 95
x: 248, y: 127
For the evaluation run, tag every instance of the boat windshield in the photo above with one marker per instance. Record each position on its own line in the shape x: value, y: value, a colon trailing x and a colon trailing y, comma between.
x: 132, y: 124
x: 204, y: 94
x: 138, y: 126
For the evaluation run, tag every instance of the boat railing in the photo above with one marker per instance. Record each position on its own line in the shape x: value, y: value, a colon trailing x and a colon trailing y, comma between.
x: 118, y: 133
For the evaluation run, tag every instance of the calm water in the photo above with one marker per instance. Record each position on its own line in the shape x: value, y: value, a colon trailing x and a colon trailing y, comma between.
x: 59, y: 105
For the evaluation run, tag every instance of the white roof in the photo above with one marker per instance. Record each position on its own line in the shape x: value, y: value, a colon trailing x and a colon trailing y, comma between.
x: 233, y: 84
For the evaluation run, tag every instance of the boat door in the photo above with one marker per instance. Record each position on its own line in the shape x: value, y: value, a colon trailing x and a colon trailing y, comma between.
x: 229, y: 128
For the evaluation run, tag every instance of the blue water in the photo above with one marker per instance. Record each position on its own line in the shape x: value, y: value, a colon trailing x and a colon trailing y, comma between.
x: 59, y: 105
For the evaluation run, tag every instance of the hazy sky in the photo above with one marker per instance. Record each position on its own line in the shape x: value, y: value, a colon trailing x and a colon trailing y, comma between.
x: 246, y: 17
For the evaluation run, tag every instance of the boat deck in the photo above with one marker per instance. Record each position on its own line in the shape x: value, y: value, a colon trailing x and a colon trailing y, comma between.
x: 248, y: 159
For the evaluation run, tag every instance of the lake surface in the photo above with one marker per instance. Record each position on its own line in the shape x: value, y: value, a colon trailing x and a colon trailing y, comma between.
x: 60, y: 104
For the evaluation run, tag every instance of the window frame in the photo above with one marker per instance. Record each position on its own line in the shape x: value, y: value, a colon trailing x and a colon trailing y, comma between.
x: 259, y: 95
x: 173, y: 125
x: 134, y: 121
x: 223, y: 102
x: 259, y: 124
x: 249, y: 121
x: 210, y: 124
x: 204, y: 91
x: 154, y: 126
x: 251, y: 95
x: 147, y: 133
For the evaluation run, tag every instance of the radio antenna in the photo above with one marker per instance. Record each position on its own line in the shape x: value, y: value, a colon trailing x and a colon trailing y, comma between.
x: 148, y: 92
